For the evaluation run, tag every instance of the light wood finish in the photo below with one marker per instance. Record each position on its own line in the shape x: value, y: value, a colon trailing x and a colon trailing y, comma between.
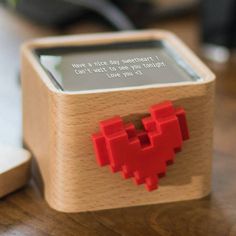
x: 58, y: 125
x: 14, y: 169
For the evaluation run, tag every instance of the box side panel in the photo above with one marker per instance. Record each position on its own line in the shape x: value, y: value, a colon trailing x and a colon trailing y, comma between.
x: 35, y: 117
x: 78, y: 184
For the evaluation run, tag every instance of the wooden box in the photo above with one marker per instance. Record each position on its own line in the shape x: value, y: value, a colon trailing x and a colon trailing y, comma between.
x: 58, y: 123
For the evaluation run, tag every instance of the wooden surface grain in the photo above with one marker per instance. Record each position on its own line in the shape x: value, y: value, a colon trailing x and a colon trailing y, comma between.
x: 26, y: 213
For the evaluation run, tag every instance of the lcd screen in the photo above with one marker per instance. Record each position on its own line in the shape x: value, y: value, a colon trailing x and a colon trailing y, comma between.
x: 115, y: 65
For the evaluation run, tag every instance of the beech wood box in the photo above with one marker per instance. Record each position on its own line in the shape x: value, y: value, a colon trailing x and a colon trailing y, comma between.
x: 58, y: 124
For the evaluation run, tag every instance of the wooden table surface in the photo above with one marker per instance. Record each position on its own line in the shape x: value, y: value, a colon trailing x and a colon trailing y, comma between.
x: 26, y: 213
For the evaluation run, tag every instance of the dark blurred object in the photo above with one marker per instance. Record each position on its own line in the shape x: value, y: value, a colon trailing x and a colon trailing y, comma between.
x: 59, y: 13
x: 121, y: 14
x: 218, y: 28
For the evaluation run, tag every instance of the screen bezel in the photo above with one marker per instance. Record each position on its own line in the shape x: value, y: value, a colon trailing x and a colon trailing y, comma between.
x: 60, y: 50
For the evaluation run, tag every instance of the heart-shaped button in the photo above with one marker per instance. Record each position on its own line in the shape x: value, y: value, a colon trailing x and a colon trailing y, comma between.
x: 142, y: 154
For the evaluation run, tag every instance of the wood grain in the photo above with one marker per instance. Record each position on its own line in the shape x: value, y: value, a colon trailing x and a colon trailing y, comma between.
x: 58, y: 127
x: 25, y: 213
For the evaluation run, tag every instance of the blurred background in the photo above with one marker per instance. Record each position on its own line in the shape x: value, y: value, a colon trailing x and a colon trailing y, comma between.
x: 208, y: 27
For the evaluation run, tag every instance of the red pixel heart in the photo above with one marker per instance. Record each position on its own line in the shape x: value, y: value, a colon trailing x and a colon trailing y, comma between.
x: 142, y: 154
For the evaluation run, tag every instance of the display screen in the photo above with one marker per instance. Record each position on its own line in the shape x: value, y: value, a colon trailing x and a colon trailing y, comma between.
x: 116, y: 65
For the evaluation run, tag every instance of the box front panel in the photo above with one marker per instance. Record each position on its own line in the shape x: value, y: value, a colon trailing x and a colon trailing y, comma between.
x: 75, y: 174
